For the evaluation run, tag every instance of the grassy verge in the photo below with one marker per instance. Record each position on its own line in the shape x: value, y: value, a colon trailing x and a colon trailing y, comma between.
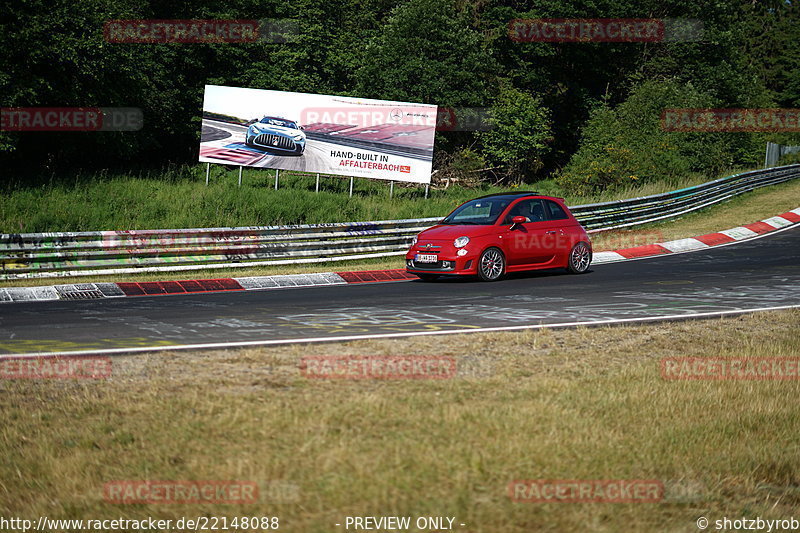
x: 566, y: 404
x: 745, y: 209
x: 178, y: 198
x: 750, y: 207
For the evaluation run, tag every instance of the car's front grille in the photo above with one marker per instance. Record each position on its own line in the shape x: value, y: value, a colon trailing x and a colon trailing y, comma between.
x: 274, y: 141
x: 438, y: 265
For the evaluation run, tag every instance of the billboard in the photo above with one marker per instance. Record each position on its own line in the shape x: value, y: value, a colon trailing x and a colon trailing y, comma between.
x: 375, y: 139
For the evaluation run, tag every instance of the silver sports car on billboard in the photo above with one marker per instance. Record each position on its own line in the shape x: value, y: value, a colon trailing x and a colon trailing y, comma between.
x: 276, y: 134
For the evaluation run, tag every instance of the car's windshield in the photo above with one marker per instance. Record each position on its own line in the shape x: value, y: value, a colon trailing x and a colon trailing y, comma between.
x: 278, y: 122
x: 483, y: 211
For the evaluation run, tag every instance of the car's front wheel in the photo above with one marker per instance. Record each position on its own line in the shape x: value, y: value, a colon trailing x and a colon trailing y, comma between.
x: 491, y: 264
x: 580, y: 257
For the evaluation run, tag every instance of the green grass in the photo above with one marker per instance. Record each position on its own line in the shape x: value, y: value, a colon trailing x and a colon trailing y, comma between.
x: 177, y: 197
x: 745, y: 209
x: 751, y: 207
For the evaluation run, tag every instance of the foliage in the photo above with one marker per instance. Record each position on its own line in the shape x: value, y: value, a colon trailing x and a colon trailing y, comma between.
x: 629, y: 143
x: 427, y: 52
x: 454, y: 53
x: 519, y: 132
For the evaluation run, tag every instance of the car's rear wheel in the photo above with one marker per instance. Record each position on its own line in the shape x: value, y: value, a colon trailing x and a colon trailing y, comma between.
x: 491, y: 264
x: 580, y: 257
x: 427, y: 277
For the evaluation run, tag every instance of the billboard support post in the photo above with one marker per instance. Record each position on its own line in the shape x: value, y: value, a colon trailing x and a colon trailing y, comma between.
x: 317, y: 189
x: 351, y: 186
x: 240, y: 175
x: 276, y: 179
x: 208, y: 171
x: 391, y: 189
x: 426, y: 190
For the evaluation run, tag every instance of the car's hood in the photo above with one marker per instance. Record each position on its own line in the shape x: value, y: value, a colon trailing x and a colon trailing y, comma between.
x: 449, y: 232
x: 268, y: 128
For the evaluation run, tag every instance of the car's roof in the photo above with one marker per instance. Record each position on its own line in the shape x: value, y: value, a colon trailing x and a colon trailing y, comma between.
x: 517, y: 194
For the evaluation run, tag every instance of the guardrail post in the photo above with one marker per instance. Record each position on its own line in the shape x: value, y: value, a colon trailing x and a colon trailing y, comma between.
x: 208, y: 171
x: 240, y: 175
x: 276, y: 179
x: 351, y: 186
x: 317, y: 189
x: 391, y: 189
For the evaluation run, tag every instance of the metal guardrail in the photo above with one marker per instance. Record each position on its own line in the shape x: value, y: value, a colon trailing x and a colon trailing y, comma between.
x: 31, y: 255
x: 646, y: 209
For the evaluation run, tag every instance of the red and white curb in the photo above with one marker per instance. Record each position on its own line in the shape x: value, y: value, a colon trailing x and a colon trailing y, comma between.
x: 92, y: 291
x: 701, y: 242
x: 95, y: 291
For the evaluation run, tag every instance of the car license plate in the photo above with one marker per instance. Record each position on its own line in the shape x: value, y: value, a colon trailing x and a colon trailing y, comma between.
x: 426, y: 258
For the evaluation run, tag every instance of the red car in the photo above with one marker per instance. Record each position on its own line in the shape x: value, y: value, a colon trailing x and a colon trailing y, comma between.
x: 500, y: 233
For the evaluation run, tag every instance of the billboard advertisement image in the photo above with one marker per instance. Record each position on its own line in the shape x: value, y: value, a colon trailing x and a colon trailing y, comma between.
x: 341, y: 135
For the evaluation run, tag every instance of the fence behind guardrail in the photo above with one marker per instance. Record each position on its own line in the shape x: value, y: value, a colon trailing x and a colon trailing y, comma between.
x: 776, y: 151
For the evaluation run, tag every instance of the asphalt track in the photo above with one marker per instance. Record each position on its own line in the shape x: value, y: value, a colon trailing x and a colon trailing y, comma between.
x: 760, y: 273
x: 210, y: 133
x: 315, y: 157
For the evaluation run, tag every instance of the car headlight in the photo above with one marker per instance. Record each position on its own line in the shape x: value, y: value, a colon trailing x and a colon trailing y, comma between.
x: 298, y: 137
x: 461, y: 242
x: 413, y: 240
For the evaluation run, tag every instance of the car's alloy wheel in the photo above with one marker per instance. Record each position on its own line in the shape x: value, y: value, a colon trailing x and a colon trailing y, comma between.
x: 491, y: 264
x: 580, y: 257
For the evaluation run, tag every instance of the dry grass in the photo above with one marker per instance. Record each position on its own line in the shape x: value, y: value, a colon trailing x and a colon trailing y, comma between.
x: 565, y: 404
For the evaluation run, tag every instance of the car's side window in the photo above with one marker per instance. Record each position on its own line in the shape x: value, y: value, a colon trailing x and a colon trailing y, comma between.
x: 555, y: 210
x: 532, y: 210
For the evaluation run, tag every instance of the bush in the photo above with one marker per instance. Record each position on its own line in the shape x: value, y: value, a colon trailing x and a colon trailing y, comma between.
x: 520, y: 133
x: 627, y: 144
x: 464, y: 166
x: 789, y: 159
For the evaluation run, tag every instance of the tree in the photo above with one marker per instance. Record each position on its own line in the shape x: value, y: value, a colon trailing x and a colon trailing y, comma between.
x: 520, y: 133
x: 627, y: 143
x: 428, y: 53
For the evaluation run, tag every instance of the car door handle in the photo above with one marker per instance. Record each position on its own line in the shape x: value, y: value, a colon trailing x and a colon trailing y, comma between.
x: 552, y: 232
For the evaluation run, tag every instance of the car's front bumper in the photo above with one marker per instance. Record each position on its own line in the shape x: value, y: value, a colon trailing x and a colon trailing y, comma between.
x: 448, y: 264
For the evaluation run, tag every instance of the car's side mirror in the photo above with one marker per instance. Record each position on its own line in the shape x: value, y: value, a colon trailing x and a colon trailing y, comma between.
x: 517, y: 220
